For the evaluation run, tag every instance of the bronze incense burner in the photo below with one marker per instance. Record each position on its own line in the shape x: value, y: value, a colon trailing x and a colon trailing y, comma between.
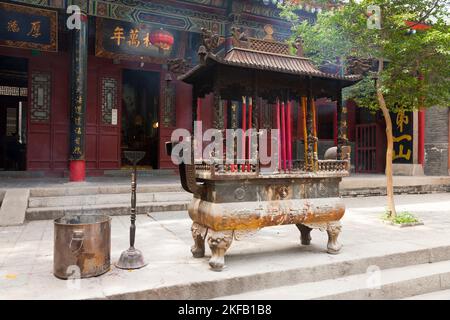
x: 240, y: 196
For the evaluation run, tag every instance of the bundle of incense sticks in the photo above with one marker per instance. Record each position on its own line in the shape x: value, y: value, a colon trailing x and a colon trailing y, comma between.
x: 250, y: 126
x: 284, y: 135
x: 289, y: 136
x: 279, y: 134
x: 244, y: 128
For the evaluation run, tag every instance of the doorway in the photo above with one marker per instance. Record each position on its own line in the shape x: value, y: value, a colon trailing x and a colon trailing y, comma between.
x: 370, y: 142
x: 13, y: 113
x: 140, y: 114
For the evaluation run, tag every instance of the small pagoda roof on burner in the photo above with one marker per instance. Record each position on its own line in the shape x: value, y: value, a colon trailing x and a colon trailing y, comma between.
x: 263, y: 55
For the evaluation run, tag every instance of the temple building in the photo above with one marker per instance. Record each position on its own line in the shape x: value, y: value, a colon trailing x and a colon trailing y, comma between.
x: 83, y: 81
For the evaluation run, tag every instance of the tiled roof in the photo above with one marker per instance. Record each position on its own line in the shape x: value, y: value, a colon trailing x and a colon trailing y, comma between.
x: 268, y: 56
x: 264, y: 46
x: 278, y: 62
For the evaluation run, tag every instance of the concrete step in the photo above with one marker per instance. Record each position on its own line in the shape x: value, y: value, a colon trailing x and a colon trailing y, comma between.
x: 404, y: 273
x: 437, y: 295
x: 46, y: 213
x: 141, y: 172
x: 394, y: 283
x: 369, y: 191
x: 77, y: 190
x: 104, y: 199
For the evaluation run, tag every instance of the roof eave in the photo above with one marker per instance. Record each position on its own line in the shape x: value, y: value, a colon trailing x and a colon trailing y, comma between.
x: 350, y: 80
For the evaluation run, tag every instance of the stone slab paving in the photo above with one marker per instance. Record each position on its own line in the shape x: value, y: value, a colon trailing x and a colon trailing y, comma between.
x: 26, y: 252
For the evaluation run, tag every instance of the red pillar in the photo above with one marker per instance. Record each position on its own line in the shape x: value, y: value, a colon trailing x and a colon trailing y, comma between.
x: 77, y: 170
x: 449, y: 143
x: 199, y: 109
x: 421, y: 125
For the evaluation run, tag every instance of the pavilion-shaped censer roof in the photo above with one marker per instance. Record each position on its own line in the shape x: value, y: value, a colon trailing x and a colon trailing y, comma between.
x: 263, y: 58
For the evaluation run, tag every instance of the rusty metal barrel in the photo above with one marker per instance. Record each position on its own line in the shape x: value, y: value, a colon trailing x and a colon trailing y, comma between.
x: 82, y: 246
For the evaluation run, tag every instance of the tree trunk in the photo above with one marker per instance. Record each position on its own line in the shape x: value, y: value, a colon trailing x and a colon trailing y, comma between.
x: 390, y: 144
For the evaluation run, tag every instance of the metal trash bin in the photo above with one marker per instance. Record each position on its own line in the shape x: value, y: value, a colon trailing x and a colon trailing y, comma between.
x: 82, y: 246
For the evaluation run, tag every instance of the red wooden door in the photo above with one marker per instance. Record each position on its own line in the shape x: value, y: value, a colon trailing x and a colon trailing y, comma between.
x: 48, y: 113
x: 103, y: 116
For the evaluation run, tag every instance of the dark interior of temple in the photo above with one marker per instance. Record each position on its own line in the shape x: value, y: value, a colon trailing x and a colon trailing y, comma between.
x: 13, y: 104
x: 140, y: 100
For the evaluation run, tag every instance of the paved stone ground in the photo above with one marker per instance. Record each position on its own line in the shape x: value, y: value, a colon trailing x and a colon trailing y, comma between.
x: 26, y: 255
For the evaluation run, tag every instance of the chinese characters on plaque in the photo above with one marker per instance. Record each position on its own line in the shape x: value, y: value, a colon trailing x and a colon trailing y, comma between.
x: 124, y: 40
x: 402, y: 130
x: 28, y: 28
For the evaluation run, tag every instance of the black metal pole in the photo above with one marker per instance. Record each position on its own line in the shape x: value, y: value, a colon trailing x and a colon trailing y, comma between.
x: 133, y: 205
x: 132, y: 258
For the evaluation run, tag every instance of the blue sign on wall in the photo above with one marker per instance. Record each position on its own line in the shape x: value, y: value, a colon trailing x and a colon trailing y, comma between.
x: 28, y: 27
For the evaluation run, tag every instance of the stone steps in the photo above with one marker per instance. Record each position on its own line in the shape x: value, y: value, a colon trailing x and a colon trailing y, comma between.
x: 140, y: 172
x: 403, y: 274
x: 395, y: 283
x: 350, y: 192
x: 100, y: 199
x: 52, y: 203
x: 436, y: 295
x: 77, y: 190
x: 45, y: 213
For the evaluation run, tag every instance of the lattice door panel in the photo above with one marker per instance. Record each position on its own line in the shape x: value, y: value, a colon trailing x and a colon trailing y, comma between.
x: 366, y: 148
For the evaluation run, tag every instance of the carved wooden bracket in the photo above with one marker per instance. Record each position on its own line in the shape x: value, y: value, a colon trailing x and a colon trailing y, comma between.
x: 360, y: 66
x: 298, y: 44
x: 178, y: 66
x: 210, y: 39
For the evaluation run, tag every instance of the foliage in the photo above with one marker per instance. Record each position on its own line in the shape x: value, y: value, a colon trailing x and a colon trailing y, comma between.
x: 344, y: 32
x: 404, y: 217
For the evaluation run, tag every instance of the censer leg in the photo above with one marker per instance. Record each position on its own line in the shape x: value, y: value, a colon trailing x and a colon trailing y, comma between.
x: 305, y: 234
x: 333, y: 230
x: 219, y: 242
x: 199, y: 234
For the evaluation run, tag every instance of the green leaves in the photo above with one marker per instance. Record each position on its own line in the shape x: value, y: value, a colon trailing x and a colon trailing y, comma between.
x: 343, y: 33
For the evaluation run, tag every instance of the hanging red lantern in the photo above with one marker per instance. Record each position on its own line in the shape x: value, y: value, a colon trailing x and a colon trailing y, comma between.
x: 162, y: 39
x: 417, y: 25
